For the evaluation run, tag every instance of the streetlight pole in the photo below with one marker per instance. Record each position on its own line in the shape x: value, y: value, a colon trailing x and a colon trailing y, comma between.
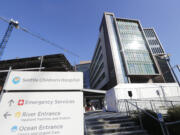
x: 178, y: 66
x: 41, y: 62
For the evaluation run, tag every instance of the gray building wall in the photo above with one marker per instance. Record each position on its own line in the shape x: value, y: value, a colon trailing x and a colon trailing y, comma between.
x: 112, y: 61
x: 98, y: 72
x: 159, y: 54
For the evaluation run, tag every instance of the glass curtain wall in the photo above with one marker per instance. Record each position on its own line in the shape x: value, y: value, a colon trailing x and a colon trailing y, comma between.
x: 136, y: 54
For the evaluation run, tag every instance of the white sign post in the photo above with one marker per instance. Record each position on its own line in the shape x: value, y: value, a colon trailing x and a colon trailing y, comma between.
x: 57, y: 112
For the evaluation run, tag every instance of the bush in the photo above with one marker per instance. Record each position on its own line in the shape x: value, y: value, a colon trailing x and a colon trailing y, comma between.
x: 153, y: 126
x: 173, y: 114
x: 150, y: 124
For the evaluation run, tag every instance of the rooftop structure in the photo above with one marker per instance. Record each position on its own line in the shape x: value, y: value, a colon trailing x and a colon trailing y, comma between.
x: 55, y: 62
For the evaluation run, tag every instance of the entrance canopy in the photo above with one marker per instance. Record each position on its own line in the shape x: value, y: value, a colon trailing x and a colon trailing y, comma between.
x: 94, y: 91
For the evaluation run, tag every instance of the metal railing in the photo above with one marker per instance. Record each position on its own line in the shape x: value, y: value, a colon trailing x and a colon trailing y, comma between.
x: 85, y: 128
x: 134, y: 108
x: 158, y: 106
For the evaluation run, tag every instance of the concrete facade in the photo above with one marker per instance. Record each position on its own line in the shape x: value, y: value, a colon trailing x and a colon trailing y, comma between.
x: 160, y: 92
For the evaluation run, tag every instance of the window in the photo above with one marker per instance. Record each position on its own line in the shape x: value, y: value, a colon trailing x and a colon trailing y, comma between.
x: 100, y: 80
x: 97, y: 73
x: 95, y: 57
x: 136, y: 53
x: 96, y: 66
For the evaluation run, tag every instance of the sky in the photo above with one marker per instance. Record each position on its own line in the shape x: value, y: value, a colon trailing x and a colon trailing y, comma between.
x: 74, y: 25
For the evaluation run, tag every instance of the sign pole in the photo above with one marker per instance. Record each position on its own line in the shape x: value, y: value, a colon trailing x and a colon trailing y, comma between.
x: 42, y: 103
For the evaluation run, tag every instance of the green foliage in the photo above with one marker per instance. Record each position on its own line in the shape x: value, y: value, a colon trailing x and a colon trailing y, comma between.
x: 153, y: 126
x: 150, y: 124
x: 174, y: 115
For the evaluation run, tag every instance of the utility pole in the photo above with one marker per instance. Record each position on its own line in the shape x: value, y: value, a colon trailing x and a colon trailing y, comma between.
x: 41, y: 62
x: 178, y: 67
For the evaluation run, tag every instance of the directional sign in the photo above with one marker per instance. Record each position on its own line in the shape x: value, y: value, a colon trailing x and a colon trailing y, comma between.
x: 42, y: 113
x: 29, y: 80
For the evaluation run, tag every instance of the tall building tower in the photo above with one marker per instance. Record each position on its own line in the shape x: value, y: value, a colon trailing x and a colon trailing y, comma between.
x: 122, y: 55
x: 160, y: 55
